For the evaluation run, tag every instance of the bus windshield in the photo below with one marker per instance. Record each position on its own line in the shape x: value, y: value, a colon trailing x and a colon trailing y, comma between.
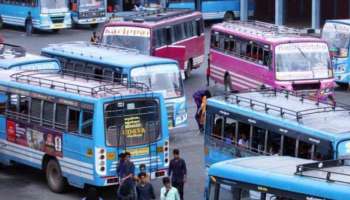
x: 165, y: 78
x: 338, y: 38
x: 47, y: 5
x: 91, y: 3
x: 129, y: 37
x: 132, y: 122
x: 301, y: 61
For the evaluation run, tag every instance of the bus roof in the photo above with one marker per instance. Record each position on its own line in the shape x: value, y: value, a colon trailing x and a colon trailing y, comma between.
x: 54, y: 83
x: 292, y: 111
x: 12, y: 55
x: 265, y: 32
x: 154, y: 18
x: 101, y: 54
x: 280, y: 172
x: 340, y: 21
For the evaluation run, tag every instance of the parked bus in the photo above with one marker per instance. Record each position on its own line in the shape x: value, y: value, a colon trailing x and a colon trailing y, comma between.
x: 274, y: 122
x: 215, y: 9
x: 176, y: 34
x: 74, y: 128
x: 337, y: 35
x: 254, y: 54
x: 46, y: 14
x: 158, y: 73
x: 278, y: 177
x: 92, y: 12
x: 13, y: 57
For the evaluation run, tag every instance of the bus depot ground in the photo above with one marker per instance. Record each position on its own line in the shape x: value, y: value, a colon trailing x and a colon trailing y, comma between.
x: 21, y: 182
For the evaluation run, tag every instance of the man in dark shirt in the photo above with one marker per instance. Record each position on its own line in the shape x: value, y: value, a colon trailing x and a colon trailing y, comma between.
x: 144, y: 188
x: 178, y: 172
x: 126, y: 171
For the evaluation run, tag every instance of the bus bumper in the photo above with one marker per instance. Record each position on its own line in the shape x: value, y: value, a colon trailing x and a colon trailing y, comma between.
x: 96, y: 20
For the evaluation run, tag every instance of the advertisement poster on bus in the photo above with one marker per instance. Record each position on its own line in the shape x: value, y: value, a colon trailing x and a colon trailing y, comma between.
x: 44, y: 140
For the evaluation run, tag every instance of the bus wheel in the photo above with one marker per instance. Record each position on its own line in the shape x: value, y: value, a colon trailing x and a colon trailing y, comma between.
x: 229, y: 16
x: 57, y: 183
x: 94, y: 26
x: 189, y: 69
x: 227, y: 83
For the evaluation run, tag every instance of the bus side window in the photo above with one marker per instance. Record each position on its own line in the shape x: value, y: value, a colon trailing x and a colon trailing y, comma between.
x: 69, y: 66
x: 323, y: 152
x: 98, y: 72
x: 86, y: 126
x: 61, y: 117
x: 274, y: 143
x: 89, y: 71
x: 169, y: 35
x: 304, y: 150
x: 258, y: 139
x: 243, y: 134
x: 222, y: 42
x: 12, y: 102
x: 215, y: 40
x: 73, y: 120
x: 248, y: 52
x: 35, y: 110
x: 199, y: 26
x: 189, y: 29
x: 260, y: 56
x: 267, y: 59
x: 289, y: 145
x: 3, y: 101
x: 230, y: 130
x: 217, y: 128
x: 48, y: 114
x: 24, y: 107
x: 108, y: 74
x: 79, y: 67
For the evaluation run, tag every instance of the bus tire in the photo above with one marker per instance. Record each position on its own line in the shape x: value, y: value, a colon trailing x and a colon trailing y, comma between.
x: 229, y: 16
x: 188, y: 69
x: 94, y: 26
x: 227, y: 83
x: 56, y: 182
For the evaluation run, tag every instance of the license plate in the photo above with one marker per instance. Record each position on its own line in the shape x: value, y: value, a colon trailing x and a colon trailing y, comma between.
x: 58, y: 25
x: 138, y: 151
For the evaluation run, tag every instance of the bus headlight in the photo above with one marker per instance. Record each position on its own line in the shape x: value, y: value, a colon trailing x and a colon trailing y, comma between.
x: 100, y: 161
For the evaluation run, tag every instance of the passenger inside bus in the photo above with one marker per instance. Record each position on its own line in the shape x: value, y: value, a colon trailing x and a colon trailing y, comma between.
x: 243, y: 141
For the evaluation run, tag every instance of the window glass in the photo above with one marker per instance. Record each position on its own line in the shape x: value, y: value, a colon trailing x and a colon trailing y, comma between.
x: 230, y: 130
x: 48, y: 114
x: 86, y: 127
x: 250, y: 195
x: 79, y: 67
x: 258, y: 140
x: 35, y: 110
x: 226, y: 192
x: 69, y: 66
x: 73, y: 120
x: 189, y: 32
x: 3, y: 100
x: 108, y: 74
x: 215, y: 40
x: 289, y: 146
x: 304, y: 150
x: 323, y: 152
x: 274, y: 143
x: 61, y: 116
x: 13, y: 101
x: 24, y: 107
x: 217, y: 128
x: 179, y: 32
x: 243, y: 134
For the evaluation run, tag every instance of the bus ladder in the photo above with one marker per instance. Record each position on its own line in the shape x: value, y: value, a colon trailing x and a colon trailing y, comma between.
x: 152, y: 153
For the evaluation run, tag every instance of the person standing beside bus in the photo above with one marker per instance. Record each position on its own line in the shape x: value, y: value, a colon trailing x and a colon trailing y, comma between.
x: 198, y: 98
x: 144, y: 188
x: 178, y: 172
x: 167, y: 192
x: 29, y: 24
x: 126, y: 171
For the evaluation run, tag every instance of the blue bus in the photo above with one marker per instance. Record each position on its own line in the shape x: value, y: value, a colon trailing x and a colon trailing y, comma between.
x: 272, y: 122
x: 46, y: 14
x: 158, y: 74
x: 74, y: 128
x: 337, y: 34
x: 277, y: 178
x: 13, y: 57
x: 90, y: 12
x: 215, y: 9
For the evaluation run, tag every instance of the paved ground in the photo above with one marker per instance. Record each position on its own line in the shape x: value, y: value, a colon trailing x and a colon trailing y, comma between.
x: 20, y: 182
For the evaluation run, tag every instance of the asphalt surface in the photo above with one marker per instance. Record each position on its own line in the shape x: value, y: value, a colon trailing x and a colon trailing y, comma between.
x: 21, y: 182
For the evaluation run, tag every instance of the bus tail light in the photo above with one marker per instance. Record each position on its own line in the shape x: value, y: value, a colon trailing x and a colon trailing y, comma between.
x: 166, y: 153
x: 101, y: 161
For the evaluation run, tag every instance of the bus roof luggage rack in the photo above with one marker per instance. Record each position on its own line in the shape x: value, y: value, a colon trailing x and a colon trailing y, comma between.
x: 263, y: 28
x: 330, y: 170
x: 103, y: 88
x: 235, y: 98
x: 10, y: 50
x: 156, y: 15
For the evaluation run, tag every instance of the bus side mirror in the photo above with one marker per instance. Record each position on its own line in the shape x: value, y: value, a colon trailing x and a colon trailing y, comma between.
x: 168, y: 36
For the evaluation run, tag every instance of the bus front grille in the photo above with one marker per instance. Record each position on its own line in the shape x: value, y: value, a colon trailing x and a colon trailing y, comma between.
x: 57, y: 20
x: 306, y: 86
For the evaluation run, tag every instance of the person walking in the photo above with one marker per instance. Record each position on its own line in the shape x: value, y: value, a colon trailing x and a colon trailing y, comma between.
x: 178, y: 172
x: 198, y: 99
x: 29, y: 24
x: 144, y: 188
x: 167, y: 192
x: 126, y: 171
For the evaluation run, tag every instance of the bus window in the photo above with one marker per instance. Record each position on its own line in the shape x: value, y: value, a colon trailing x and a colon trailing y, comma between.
x: 274, y: 143
x: 3, y: 100
x: 218, y: 125
x: 13, y: 100
x: 267, y: 59
x: 79, y: 67
x: 289, y: 146
x: 260, y: 56
x: 323, y: 152
x: 255, y: 53
x: 189, y: 32
x: 304, y: 150
x: 230, y: 130
x: 48, y: 113
x: 248, y: 51
x: 215, y: 40
x: 35, y: 111
x: 73, y: 120
x: 179, y: 32
x: 24, y: 105
x: 61, y: 117
x: 258, y: 139
x: 98, y: 72
x: 89, y: 71
x: 86, y: 127
x: 108, y: 74
x: 243, y: 134
x: 69, y: 66
x: 227, y: 44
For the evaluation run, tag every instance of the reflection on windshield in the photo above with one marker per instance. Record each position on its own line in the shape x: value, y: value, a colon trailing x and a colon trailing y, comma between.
x: 338, y: 38
x: 53, y: 4
x: 129, y: 37
x: 298, y: 61
x: 164, y: 78
x: 91, y: 3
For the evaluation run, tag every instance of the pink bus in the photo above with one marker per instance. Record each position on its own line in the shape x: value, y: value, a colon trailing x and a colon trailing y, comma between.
x: 175, y: 34
x: 251, y: 55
